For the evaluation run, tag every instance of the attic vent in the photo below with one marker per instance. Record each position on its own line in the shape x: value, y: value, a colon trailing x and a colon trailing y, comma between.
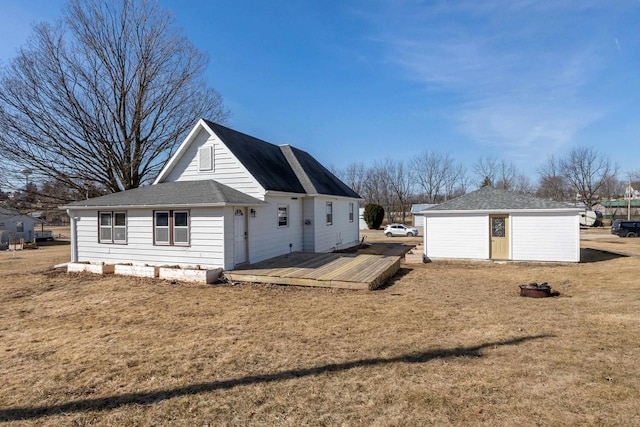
x: 205, y: 158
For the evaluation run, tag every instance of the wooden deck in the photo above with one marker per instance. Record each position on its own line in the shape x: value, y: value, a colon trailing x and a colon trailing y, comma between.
x: 332, y: 270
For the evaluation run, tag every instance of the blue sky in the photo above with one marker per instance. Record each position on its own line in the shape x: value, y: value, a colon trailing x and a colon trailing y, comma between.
x: 360, y: 80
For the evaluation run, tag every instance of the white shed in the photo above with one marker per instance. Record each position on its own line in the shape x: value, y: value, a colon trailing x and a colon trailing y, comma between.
x: 495, y: 224
x: 416, y: 212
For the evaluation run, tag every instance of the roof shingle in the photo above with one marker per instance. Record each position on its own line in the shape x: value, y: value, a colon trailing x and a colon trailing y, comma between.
x: 491, y: 199
x: 180, y: 193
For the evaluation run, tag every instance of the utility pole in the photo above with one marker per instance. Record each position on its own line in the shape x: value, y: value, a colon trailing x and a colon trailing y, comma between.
x: 628, y: 195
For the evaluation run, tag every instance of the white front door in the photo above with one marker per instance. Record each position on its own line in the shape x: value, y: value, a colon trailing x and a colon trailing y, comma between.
x: 240, y: 235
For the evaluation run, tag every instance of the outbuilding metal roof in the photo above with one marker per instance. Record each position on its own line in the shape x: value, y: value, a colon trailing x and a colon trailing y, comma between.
x: 493, y: 199
x: 167, y: 194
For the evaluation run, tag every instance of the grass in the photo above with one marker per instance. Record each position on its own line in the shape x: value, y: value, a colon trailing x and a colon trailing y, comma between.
x: 446, y: 343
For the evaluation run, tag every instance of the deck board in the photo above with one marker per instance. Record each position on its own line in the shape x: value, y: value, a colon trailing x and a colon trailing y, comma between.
x: 333, y: 270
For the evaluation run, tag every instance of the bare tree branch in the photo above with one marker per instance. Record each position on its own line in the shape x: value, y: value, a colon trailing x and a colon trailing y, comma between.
x: 587, y: 172
x: 104, y: 96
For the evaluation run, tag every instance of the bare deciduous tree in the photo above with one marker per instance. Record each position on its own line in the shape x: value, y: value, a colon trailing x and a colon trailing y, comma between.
x: 433, y: 172
x: 498, y: 173
x: 587, y: 172
x: 354, y: 176
x: 522, y: 184
x: 507, y: 176
x: 104, y: 96
x: 485, y: 170
x: 552, y: 185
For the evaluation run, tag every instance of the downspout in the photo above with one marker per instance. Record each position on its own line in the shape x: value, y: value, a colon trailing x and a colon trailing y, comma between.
x: 74, y: 237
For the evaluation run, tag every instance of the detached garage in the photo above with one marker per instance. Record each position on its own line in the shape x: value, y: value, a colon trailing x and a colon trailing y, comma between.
x: 497, y: 224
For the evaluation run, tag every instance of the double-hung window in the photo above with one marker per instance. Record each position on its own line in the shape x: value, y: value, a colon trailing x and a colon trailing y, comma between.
x: 329, y: 210
x: 350, y: 212
x: 112, y: 227
x: 171, y: 228
x: 283, y: 216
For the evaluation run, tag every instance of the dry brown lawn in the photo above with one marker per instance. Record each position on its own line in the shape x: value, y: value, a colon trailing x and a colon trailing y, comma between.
x: 446, y: 343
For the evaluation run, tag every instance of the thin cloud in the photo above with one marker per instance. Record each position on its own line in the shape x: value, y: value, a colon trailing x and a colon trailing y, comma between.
x: 518, y: 70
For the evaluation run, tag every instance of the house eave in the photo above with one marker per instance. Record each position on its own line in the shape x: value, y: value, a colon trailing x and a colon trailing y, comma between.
x: 163, y: 205
x: 285, y: 194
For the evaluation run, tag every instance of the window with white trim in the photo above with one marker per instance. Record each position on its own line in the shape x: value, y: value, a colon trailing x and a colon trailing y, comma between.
x: 329, y: 211
x: 283, y: 215
x: 350, y: 212
x: 112, y: 227
x: 171, y: 228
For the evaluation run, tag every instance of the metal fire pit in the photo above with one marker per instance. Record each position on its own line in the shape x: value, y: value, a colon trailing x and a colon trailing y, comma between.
x: 533, y: 290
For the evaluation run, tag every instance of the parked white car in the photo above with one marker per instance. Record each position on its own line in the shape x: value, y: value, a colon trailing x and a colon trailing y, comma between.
x: 400, y: 230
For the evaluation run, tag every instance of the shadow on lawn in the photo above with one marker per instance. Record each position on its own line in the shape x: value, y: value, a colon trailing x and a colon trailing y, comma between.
x: 144, y: 398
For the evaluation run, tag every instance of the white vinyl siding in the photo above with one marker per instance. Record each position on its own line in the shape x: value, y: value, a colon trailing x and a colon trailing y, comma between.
x: 206, y: 247
x: 226, y: 168
x: 545, y: 237
x: 309, y: 221
x: 342, y: 233
x: 542, y: 236
x: 266, y: 238
x: 457, y: 236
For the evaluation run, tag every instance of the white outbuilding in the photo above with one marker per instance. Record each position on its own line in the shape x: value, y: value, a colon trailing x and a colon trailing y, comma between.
x: 496, y: 224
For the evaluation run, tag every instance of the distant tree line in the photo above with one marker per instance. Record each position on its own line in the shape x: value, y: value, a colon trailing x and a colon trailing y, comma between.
x: 584, y: 175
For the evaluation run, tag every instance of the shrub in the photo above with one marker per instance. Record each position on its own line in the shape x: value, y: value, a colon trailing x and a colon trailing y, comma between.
x: 373, y: 215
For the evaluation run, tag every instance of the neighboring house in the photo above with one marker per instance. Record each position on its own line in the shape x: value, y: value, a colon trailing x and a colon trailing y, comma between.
x: 14, y: 225
x: 416, y: 212
x: 224, y: 198
x: 497, y: 224
x: 362, y: 224
x: 618, y: 209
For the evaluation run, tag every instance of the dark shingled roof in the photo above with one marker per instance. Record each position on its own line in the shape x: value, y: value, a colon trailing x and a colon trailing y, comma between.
x: 488, y: 198
x: 181, y: 193
x: 263, y: 160
x: 281, y: 168
x: 324, y: 181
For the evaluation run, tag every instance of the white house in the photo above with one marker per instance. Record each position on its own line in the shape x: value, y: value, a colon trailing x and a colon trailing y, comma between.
x: 497, y: 224
x: 14, y: 225
x: 416, y: 212
x: 224, y: 198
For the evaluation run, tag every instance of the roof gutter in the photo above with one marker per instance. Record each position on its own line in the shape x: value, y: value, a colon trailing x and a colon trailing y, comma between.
x: 285, y: 194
